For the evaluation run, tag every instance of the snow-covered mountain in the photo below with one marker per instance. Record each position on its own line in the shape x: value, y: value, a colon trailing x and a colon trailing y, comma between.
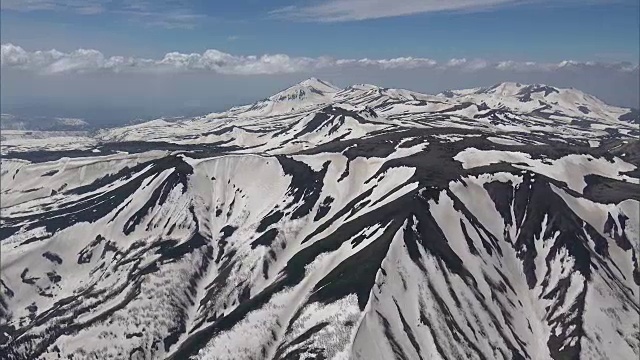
x: 304, y: 95
x: 540, y: 99
x: 326, y: 223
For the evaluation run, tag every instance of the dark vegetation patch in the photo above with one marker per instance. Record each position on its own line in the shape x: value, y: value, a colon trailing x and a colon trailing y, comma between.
x: 27, y: 280
x: 225, y: 233
x: 265, y: 239
x: 269, y: 220
x: 407, y: 330
x: 398, y: 353
x: 584, y: 109
x: 31, y: 190
x: 324, y: 208
x: 502, y: 196
x: 633, y: 116
x: 606, y: 190
x: 131, y: 147
x: 54, y: 277
x: 50, y: 173
x: 284, y: 350
x: 53, y: 257
x: 180, y: 174
x: 305, y: 187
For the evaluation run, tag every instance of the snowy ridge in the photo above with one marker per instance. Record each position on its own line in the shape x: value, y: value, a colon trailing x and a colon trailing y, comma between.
x: 366, y: 223
x: 307, y: 94
x: 542, y: 99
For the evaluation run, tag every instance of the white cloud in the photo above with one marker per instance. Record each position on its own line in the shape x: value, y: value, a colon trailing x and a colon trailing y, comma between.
x: 348, y: 10
x: 91, y: 61
x: 162, y: 13
x: 85, y: 7
x: 170, y: 19
x: 355, y: 10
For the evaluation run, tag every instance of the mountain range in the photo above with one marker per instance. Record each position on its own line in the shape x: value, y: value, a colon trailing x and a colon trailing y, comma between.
x: 327, y: 223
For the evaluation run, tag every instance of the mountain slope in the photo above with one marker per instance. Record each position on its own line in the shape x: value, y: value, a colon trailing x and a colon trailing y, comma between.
x: 307, y: 94
x: 381, y: 224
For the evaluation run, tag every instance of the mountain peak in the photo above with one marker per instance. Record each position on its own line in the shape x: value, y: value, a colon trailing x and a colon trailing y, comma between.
x: 318, y: 83
x: 313, y: 93
x: 313, y: 85
x: 303, y: 95
x: 309, y: 87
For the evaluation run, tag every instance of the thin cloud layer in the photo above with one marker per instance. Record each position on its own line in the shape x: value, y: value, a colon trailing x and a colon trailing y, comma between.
x: 357, y: 10
x: 167, y: 14
x: 94, y: 61
x: 84, y: 7
x: 353, y: 10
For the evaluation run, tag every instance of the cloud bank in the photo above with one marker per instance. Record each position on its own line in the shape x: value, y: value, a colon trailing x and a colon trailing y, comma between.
x: 81, y: 61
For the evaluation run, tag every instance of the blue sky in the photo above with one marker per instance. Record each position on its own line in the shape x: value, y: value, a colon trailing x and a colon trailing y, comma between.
x: 538, y: 31
x: 175, y: 56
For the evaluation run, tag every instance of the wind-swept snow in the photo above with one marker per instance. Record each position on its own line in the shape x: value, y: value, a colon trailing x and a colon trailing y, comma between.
x: 570, y: 169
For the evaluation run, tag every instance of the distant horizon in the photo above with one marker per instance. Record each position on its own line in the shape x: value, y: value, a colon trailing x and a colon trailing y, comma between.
x: 114, y: 115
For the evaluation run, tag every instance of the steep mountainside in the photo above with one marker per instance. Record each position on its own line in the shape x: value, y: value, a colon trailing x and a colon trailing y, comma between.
x: 325, y: 223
